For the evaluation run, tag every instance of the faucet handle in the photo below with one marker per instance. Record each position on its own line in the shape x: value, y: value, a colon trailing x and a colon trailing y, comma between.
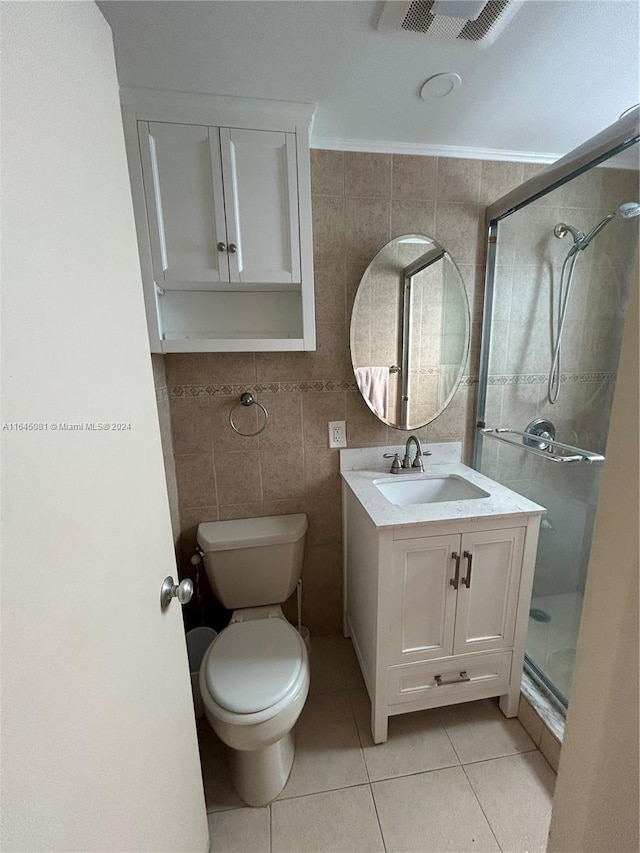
x: 395, y: 465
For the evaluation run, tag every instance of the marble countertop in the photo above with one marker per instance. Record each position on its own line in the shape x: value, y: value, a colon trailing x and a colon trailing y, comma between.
x: 501, y: 502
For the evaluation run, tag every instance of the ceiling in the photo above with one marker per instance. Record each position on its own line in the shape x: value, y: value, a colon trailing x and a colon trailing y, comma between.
x: 561, y: 70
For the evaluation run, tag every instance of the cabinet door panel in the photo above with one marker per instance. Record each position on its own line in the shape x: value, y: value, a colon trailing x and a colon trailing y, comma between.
x: 486, y: 612
x: 261, y: 199
x: 423, y: 601
x: 185, y: 202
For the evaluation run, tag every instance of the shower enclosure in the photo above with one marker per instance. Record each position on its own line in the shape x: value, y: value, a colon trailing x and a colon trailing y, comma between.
x: 562, y: 250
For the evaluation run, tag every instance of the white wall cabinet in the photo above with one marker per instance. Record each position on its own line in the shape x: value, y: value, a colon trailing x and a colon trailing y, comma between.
x: 222, y: 199
x: 437, y: 612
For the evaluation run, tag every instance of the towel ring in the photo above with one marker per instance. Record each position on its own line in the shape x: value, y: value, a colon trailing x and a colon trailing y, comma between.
x: 247, y: 399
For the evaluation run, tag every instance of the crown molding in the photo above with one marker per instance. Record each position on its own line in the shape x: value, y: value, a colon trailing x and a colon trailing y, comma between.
x: 335, y: 143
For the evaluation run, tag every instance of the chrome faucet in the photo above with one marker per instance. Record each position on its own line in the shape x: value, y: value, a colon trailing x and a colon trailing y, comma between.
x: 407, y: 465
x: 417, y: 462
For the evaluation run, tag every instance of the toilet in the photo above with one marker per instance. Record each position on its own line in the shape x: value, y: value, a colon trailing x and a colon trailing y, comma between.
x: 254, y: 678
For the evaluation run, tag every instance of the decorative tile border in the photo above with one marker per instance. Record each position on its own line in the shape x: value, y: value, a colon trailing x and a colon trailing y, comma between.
x: 313, y: 386
x: 542, y: 379
x: 162, y: 394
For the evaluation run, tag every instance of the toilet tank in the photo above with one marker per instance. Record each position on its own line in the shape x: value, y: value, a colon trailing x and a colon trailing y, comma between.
x: 252, y: 562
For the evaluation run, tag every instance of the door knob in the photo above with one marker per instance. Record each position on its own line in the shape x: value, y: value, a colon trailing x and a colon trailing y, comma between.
x: 232, y: 248
x: 169, y: 590
x: 222, y: 247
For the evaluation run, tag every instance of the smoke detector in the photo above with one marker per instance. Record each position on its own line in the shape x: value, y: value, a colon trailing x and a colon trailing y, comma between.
x: 479, y: 21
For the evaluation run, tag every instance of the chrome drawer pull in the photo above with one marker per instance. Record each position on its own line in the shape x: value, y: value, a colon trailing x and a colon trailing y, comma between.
x: 440, y: 683
x: 454, y: 580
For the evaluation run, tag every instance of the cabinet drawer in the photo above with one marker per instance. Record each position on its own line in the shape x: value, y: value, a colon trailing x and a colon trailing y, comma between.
x: 441, y: 681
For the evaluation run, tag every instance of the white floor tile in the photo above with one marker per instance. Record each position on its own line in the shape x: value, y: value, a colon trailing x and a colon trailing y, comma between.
x: 432, y: 813
x: 417, y: 742
x: 479, y: 730
x: 240, y: 830
x: 516, y: 796
x: 334, y: 822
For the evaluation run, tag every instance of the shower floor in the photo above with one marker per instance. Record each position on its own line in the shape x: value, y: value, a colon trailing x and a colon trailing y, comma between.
x: 551, y: 645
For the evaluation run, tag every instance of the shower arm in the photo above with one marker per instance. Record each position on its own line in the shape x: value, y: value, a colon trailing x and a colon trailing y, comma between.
x: 587, y: 457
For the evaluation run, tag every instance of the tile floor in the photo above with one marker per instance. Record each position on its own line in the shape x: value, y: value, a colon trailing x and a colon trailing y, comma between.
x: 456, y: 779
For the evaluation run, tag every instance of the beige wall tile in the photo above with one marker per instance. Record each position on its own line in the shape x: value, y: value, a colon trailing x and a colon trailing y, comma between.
x: 282, y: 473
x: 224, y: 368
x: 158, y: 368
x: 497, y: 178
x: 196, y: 480
x: 329, y: 282
x: 367, y: 227
x: 238, y: 477
x: 413, y: 217
x: 364, y: 429
x: 186, y: 368
x: 328, y: 227
x: 325, y: 519
x: 317, y: 411
x: 246, y: 419
x: 191, y: 425
x: 327, y: 172
x: 459, y: 180
x: 367, y: 175
x: 322, y: 588
x: 321, y: 471
x: 414, y: 177
x: 331, y: 358
x: 284, y: 425
x: 457, y: 228
x: 230, y: 511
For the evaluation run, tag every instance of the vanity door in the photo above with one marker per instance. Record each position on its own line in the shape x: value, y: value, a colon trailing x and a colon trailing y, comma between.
x: 488, y: 590
x: 423, y: 598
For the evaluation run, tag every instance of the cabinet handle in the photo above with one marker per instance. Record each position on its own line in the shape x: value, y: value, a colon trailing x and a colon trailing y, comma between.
x: 440, y: 683
x: 467, y: 581
x: 232, y: 248
x: 222, y: 247
x: 454, y: 580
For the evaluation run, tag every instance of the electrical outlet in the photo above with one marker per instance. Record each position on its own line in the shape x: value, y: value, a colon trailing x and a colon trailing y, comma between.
x: 337, y: 434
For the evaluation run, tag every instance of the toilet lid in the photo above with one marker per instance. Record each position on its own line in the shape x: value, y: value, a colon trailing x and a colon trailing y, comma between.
x: 252, y: 665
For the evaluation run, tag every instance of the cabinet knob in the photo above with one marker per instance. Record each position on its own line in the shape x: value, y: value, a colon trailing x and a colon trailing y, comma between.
x: 232, y: 248
x: 222, y: 247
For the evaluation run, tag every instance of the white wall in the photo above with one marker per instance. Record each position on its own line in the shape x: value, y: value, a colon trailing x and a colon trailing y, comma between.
x: 596, y: 801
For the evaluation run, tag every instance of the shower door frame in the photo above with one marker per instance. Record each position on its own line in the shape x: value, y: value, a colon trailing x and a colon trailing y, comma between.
x: 613, y: 140
x: 616, y: 138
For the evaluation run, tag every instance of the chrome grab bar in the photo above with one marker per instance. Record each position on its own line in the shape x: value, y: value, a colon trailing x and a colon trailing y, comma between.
x: 577, y: 454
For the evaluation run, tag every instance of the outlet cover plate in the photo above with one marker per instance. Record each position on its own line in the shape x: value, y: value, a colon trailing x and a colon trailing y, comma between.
x: 337, y: 434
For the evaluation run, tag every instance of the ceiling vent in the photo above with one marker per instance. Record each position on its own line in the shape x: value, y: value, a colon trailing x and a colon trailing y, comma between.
x: 479, y: 21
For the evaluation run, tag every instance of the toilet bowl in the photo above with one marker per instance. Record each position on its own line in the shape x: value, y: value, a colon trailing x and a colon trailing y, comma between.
x: 254, y: 678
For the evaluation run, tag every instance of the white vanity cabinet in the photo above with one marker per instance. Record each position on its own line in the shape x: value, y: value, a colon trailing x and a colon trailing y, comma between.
x: 438, y: 610
x: 221, y: 191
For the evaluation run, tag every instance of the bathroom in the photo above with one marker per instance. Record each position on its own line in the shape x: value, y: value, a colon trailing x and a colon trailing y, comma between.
x: 360, y: 199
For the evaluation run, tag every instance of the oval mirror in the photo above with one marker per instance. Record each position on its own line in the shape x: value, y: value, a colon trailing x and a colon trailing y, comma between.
x: 409, y: 331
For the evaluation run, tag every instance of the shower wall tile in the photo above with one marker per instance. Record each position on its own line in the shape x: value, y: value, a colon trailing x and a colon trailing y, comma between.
x: 582, y: 191
x: 358, y: 202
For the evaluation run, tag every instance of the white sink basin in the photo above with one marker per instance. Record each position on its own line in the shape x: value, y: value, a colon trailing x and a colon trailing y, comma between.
x: 428, y: 490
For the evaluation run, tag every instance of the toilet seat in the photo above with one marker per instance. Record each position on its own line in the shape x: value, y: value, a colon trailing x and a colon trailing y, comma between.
x: 254, y: 667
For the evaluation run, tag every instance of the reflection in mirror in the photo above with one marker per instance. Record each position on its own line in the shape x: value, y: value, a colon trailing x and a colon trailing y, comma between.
x: 409, y: 331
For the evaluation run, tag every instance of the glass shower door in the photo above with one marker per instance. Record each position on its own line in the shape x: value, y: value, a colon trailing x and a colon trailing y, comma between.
x: 535, y: 248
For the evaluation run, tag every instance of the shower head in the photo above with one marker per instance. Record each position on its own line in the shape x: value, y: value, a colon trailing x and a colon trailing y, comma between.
x: 627, y: 210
